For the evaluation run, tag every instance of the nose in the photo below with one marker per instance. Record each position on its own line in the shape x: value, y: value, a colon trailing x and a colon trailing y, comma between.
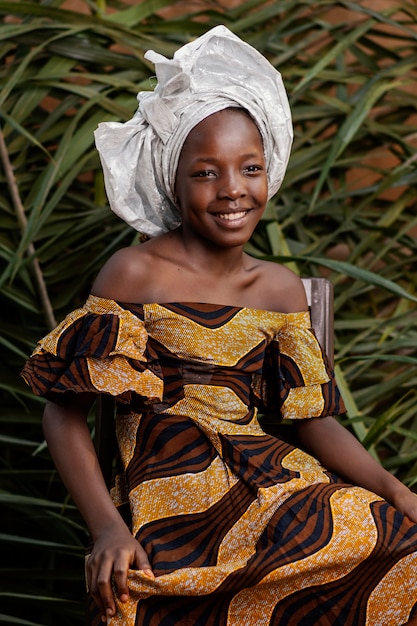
x: 231, y: 185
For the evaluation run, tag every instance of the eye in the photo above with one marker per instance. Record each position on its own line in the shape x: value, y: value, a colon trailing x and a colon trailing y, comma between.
x: 254, y: 169
x: 203, y: 174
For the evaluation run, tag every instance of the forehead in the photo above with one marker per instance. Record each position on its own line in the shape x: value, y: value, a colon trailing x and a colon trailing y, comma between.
x: 223, y: 126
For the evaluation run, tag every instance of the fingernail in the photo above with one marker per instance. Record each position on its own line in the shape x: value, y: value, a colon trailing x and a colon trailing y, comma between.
x: 149, y: 573
x: 124, y: 597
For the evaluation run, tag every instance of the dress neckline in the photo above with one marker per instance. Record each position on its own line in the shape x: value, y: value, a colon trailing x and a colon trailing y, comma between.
x: 200, y: 306
x: 214, y: 306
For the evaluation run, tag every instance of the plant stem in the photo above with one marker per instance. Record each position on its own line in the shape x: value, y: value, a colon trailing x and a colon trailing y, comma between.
x: 21, y: 217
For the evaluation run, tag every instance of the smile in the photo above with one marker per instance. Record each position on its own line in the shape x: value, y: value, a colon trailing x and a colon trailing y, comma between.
x: 230, y: 217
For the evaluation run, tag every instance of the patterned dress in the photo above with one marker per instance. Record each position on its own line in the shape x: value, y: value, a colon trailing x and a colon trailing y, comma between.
x: 241, y: 528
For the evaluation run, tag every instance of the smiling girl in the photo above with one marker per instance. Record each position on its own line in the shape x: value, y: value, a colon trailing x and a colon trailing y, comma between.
x: 210, y: 521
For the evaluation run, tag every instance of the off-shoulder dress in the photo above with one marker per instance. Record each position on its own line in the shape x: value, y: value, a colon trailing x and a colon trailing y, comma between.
x: 241, y: 528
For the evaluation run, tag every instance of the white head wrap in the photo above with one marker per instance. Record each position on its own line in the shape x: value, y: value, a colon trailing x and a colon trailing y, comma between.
x: 216, y: 71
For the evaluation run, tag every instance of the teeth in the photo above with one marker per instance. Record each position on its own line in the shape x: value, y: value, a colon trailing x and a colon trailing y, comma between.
x: 232, y: 216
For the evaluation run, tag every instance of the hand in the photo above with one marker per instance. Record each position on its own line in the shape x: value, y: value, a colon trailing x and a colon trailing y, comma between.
x: 405, y: 501
x: 114, y: 552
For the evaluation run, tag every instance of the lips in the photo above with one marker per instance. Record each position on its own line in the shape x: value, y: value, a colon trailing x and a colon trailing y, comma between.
x: 233, y: 216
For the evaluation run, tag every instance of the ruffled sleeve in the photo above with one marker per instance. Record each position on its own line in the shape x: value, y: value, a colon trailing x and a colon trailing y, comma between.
x: 100, y: 348
x: 297, y: 382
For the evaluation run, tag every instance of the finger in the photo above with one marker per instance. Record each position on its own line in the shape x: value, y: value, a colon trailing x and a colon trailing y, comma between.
x: 101, y: 589
x: 105, y: 592
x: 121, y: 567
x: 408, y: 506
x: 120, y: 578
x: 412, y: 514
x: 91, y: 577
x: 143, y: 564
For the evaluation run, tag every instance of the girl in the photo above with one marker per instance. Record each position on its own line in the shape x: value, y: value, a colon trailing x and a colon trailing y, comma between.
x: 210, y: 521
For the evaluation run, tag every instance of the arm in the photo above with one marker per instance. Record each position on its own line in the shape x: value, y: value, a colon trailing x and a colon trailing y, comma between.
x: 115, y: 550
x: 340, y: 452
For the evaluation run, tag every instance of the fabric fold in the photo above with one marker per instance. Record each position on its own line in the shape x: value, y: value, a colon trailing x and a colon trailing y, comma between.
x: 297, y: 382
x: 98, y: 348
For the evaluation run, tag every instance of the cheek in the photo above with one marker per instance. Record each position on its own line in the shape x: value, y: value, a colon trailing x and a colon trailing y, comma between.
x: 261, y: 191
x: 182, y: 195
x: 190, y: 199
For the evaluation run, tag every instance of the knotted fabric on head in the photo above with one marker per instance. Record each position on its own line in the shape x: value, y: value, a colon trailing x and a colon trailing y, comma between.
x: 140, y: 157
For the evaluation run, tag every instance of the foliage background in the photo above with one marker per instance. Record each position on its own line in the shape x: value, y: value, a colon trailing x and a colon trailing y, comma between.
x: 347, y: 210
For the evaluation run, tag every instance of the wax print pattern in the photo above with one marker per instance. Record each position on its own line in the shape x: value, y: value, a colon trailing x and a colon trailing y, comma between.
x: 240, y: 527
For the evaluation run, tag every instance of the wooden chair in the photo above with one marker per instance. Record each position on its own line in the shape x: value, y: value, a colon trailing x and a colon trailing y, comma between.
x: 319, y: 293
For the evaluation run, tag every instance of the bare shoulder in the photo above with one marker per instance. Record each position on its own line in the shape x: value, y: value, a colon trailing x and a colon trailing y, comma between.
x: 121, y: 276
x: 285, y: 289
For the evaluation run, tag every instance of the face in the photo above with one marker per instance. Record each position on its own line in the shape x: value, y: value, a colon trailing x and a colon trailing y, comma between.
x: 221, y: 184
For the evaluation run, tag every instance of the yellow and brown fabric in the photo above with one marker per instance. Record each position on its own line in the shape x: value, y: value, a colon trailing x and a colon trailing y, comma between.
x: 240, y: 527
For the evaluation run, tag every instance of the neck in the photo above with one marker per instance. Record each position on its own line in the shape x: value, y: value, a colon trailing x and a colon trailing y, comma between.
x: 203, y: 256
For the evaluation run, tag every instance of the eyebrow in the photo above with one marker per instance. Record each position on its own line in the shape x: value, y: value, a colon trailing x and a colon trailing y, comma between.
x: 250, y: 155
